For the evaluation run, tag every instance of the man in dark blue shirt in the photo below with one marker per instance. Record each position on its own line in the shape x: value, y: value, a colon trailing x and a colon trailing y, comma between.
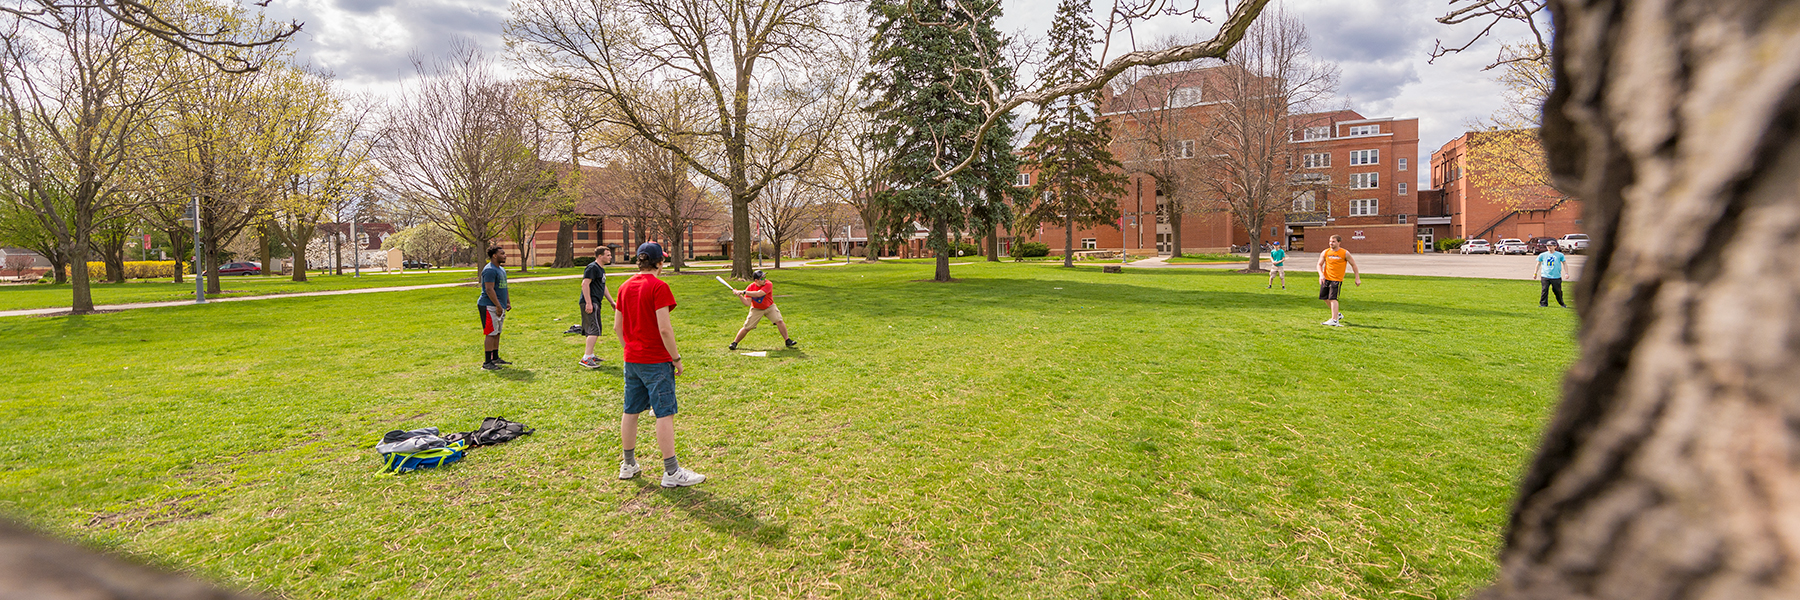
x: 593, y: 290
x: 493, y: 305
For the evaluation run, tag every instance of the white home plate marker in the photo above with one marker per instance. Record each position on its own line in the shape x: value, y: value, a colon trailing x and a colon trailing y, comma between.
x: 756, y: 353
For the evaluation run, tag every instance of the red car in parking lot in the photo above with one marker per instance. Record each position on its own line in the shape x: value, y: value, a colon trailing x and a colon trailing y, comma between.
x: 240, y: 268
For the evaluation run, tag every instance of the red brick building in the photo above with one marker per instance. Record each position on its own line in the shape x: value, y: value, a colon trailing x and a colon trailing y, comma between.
x: 1472, y: 210
x: 603, y: 218
x: 1354, y: 178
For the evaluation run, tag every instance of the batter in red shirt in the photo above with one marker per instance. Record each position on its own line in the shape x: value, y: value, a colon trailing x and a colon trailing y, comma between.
x: 760, y: 296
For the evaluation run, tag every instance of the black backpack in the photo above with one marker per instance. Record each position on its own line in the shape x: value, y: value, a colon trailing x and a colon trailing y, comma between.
x: 493, y: 430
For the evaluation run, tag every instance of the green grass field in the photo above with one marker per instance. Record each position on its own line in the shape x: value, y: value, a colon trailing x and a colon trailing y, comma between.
x: 1027, y: 432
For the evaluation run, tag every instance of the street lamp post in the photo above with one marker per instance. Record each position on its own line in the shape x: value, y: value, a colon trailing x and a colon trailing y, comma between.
x: 199, y: 271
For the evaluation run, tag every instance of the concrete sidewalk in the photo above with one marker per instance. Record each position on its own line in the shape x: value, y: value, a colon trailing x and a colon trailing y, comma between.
x: 118, y: 307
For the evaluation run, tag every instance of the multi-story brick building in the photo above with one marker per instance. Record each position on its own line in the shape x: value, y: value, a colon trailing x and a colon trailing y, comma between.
x: 1352, y: 176
x: 1470, y: 209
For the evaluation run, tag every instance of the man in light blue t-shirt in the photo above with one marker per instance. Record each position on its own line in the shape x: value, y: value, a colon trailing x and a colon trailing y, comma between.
x: 1550, y: 272
x: 493, y: 305
x: 1277, y: 266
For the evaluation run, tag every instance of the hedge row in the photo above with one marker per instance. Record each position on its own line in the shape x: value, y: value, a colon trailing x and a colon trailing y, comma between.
x: 136, y: 269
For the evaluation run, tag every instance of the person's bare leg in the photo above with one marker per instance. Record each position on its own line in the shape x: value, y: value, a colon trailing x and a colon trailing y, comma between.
x: 490, y: 342
x: 781, y: 326
x: 741, y: 333
x: 665, y: 435
x: 590, y: 344
x: 628, y: 426
x: 1334, y: 310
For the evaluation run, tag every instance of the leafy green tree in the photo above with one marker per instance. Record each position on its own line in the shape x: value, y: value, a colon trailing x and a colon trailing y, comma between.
x: 1078, y: 180
x: 920, y: 52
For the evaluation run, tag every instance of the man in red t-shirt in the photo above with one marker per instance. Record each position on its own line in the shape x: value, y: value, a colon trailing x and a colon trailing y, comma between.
x: 761, y: 296
x: 651, y: 364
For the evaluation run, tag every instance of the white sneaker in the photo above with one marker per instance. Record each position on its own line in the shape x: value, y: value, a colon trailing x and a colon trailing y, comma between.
x: 682, y: 477
x: 1329, y: 322
x: 628, y: 471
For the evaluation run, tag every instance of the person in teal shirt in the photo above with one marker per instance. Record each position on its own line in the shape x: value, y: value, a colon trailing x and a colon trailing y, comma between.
x: 1277, y: 268
x: 1550, y: 272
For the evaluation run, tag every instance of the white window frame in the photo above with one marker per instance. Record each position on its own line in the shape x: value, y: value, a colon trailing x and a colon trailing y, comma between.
x: 1361, y: 130
x: 1403, y: 188
x: 1365, y: 181
x: 1365, y: 207
x: 1316, y: 160
x: 1316, y: 133
x: 1185, y: 96
x: 1365, y: 157
x: 1182, y: 149
x: 1089, y: 243
x: 1024, y: 179
x: 1400, y: 163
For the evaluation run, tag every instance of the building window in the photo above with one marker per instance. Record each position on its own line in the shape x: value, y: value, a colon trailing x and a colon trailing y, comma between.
x: 1359, y: 208
x: 1024, y: 180
x: 1318, y: 133
x: 1365, y: 181
x: 1365, y: 157
x: 1402, y: 219
x: 1089, y: 243
x: 1303, y: 202
x: 1186, y: 96
x: 1316, y: 161
x: 1182, y: 149
x: 1403, y: 188
x: 1356, y: 130
x: 1401, y: 164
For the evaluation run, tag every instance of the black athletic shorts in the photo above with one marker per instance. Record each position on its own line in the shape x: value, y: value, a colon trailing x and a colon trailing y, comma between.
x: 1329, y: 289
x: 590, y: 321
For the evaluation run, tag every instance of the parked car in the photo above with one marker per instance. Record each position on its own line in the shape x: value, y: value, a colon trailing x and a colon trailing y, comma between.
x: 1477, y: 246
x: 240, y: 268
x: 1573, y: 243
x: 1510, y: 246
x: 1540, y: 245
x: 416, y: 264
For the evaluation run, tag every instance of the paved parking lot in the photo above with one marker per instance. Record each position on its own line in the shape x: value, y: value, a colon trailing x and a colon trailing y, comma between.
x: 1436, y: 265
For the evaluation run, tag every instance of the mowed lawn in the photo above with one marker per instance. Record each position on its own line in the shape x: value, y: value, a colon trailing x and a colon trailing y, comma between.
x: 1026, y: 432
x: 29, y: 296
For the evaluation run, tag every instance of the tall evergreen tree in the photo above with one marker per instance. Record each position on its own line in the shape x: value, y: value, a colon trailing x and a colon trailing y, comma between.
x: 1078, y: 179
x: 922, y: 112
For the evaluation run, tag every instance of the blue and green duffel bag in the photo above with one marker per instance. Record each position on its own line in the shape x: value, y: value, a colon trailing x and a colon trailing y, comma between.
x: 404, y: 462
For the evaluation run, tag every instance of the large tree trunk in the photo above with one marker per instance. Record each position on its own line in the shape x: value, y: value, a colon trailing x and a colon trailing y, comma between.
x: 1672, y: 467
x: 177, y: 241
x: 1174, y: 216
x: 262, y: 246
x: 1069, y: 240
x: 565, y: 242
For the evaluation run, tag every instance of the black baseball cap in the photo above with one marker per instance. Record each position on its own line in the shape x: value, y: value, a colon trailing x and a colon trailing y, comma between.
x: 651, y: 250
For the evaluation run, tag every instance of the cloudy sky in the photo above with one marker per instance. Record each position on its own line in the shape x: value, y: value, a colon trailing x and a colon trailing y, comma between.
x: 1380, y: 46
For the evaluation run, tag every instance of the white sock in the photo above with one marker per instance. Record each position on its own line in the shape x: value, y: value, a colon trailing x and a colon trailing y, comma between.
x: 586, y: 356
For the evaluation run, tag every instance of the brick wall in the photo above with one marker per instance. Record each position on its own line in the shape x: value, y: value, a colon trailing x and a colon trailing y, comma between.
x: 1363, y: 239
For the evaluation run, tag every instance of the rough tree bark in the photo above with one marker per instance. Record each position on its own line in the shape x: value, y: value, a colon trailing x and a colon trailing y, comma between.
x: 1672, y: 467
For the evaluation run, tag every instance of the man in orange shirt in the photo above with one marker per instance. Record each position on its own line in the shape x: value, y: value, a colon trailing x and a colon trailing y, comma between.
x: 1331, y: 277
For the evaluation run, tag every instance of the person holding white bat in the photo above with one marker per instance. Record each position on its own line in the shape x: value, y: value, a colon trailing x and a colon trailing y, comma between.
x: 760, y: 297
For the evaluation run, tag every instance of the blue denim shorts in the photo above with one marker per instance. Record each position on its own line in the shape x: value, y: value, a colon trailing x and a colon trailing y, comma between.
x: 650, y: 385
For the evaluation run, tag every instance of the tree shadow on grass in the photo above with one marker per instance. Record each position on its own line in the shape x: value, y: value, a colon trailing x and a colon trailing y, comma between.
x: 719, y: 514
